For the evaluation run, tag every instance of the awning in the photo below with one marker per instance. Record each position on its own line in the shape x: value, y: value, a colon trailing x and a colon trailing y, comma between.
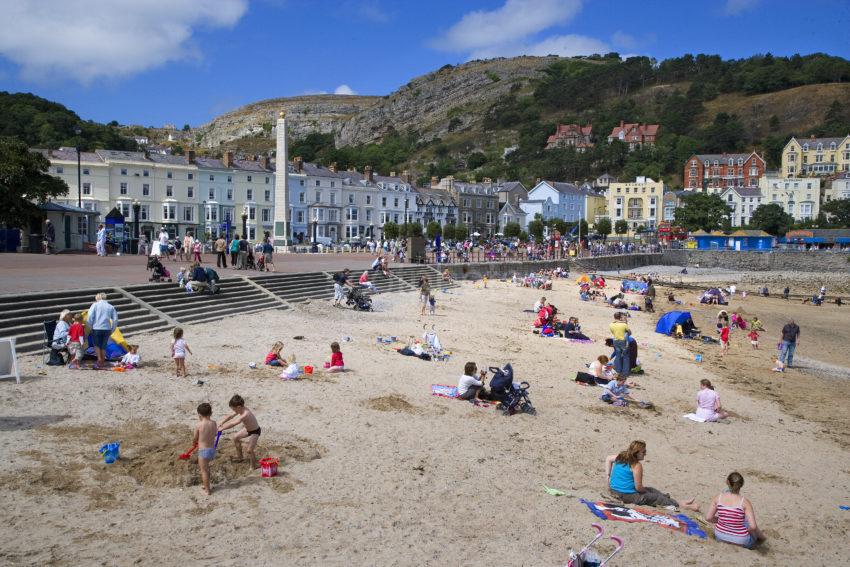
x: 815, y: 240
x: 842, y: 239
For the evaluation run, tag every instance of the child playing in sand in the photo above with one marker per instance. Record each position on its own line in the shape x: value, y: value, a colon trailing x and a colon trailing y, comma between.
x: 205, y: 441
x: 251, y: 432
x: 273, y: 358
x: 754, y: 339
x: 76, y: 338
x: 336, y: 362
x: 485, y: 279
x: 432, y: 304
x: 616, y: 392
x: 724, y: 339
x: 131, y: 359
x: 179, y: 348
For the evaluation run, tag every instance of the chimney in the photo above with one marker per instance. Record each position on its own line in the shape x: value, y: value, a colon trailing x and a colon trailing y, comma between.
x: 228, y: 158
x: 488, y: 180
x: 190, y: 155
x: 298, y: 163
x: 622, y: 124
x: 435, y: 181
x: 392, y: 174
x: 367, y: 173
x: 405, y: 176
x: 537, y: 181
x: 264, y: 162
x: 332, y: 167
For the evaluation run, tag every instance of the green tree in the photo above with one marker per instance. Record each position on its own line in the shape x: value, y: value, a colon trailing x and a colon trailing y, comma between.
x: 461, y: 231
x: 603, y: 226
x: 838, y: 212
x: 535, y: 229
x: 186, y: 127
x: 523, y: 236
x: 771, y: 219
x: 702, y: 211
x: 512, y: 230
x: 24, y: 183
x: 561, y: 226
x: 412, y: 229
x: 433, y: 230
x: 391, y: 230
x: 448, y: 232
x: 475, y: 160
x: 621, y: 227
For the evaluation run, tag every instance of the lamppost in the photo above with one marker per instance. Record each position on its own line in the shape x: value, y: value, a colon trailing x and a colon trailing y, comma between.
x: 245, y: 222
x: 79, y: 131
x: 134, y: 247
x: 206, y: 214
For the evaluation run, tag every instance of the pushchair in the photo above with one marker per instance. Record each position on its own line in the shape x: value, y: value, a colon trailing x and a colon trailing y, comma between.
x: 249, y: 262
x: 261, y: 263
x: 158, y: 271
x: 587, y: 557
x: 513, y: 397
x: 358, y: 299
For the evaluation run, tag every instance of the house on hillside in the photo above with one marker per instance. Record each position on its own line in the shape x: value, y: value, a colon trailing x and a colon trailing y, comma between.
x: 510, y: 192
x: 713, y: 173
x: 511, y: 213
x: 634, y: 134
x: 839, y: 188
x: 742, y: 202
x: 637, y: 202
x: 571, y: 136
x: 568, y: 201
x: 816, y: 156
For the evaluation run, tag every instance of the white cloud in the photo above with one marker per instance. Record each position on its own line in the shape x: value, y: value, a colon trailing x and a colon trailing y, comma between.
x: 372, y: 11
x: 734, y: 7
x: 97, y: 39
x: 563, y: 45
x: 344, y: 90
x: 622, y: 39
x: 485, y: 31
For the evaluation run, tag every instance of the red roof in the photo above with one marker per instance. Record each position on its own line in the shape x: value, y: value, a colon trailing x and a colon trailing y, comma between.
x: 634, y: 129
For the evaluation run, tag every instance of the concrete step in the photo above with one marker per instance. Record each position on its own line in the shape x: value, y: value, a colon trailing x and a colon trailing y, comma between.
x: 51, y: 310
x: 12, y: 328
x: 181, y: 312
x: 32, y: 343
x: 49, y: 295
x: 203, y: 317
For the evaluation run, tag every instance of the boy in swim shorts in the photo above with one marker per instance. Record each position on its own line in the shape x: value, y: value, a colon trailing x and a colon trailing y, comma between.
x: 251, y: 432
x: 205, y: 440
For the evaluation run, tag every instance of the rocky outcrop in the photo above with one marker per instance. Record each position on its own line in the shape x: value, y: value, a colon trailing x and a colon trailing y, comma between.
x: 305, y: 114
x: 455, y: 97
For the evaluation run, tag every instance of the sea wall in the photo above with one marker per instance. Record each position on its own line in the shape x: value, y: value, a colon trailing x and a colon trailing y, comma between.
x: 497, y: 270
x: 619, y: 262
x: 779, y: 261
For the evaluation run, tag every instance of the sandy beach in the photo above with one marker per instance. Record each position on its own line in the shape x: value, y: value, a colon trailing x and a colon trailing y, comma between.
x: 377, y: 471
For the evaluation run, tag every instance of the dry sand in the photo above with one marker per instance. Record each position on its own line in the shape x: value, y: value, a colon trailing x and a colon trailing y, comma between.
x: 379, y: 472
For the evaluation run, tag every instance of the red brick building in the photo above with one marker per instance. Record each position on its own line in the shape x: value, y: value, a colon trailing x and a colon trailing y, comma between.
x: 571, y: 135
x: 635, y: 135
x: 714, y: 173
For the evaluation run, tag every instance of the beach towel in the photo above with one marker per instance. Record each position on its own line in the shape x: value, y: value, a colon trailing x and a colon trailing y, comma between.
x: 618, y: 512
x: 694, y: 417
x: 581, y: 341
x: 444, y: 390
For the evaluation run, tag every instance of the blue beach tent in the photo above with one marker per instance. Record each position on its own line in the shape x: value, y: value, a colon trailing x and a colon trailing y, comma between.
x: 667, y: 323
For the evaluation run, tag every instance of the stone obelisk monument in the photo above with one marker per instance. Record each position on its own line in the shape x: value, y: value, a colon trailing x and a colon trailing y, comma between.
x: 282, y: 220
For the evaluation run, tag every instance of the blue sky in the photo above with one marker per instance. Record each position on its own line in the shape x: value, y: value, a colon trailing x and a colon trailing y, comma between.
x: 185, y: 61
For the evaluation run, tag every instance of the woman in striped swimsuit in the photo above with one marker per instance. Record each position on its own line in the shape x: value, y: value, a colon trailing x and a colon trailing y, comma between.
x: 733, y: 515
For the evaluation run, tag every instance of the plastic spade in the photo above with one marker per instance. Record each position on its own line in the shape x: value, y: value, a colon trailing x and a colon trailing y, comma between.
x: 185, y: 456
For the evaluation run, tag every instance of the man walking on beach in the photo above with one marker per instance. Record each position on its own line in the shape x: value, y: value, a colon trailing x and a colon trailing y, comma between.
x: 790, y: 335
x: 619, y: 329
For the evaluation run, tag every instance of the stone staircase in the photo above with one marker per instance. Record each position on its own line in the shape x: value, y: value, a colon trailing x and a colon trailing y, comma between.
x: 386, y: 284
x: 23, y: 317
x: 237, y: 296
x: 411, y: 274
x: 297, y: 288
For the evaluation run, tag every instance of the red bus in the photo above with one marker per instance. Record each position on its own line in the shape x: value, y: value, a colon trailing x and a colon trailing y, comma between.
x: 668, y: 232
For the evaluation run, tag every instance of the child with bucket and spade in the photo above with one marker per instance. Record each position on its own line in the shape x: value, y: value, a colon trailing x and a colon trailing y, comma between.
x: 251, y: 432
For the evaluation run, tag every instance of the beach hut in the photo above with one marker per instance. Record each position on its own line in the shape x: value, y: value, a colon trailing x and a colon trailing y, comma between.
x: 667, y: 323
x: 714, y: 240
x: 751, y: 240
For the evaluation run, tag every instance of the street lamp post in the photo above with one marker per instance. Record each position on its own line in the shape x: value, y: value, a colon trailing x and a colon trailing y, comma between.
x: 245, y: 222
x: 79, y: 131
x: 204, y: 228
x: 134, y: 248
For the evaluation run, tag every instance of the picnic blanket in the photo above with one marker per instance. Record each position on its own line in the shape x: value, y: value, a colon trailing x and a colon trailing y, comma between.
x: 621, y: 513
x: 444, y: 390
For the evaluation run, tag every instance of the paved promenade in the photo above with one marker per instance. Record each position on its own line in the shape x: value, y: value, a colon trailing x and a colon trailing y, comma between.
x: 37, y: 272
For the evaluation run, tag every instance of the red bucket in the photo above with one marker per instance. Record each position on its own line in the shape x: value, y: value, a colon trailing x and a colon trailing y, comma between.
x: 269, y: 466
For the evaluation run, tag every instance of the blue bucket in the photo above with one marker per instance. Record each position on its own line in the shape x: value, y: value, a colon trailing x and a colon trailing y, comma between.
x: 110, y: 452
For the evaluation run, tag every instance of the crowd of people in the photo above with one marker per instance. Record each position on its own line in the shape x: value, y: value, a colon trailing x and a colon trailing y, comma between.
x: 244, y: 255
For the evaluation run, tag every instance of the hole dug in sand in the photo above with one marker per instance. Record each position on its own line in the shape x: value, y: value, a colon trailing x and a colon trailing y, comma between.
x: 391, y: 402
x: 149, y: 455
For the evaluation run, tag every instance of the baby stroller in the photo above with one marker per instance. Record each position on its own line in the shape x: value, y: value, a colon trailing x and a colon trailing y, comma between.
x: 587, y: 557
x: 249, y: 262
x: 261, y: 263
x: 513, y: 397
x: 159, y: 272
x: 358, y: 299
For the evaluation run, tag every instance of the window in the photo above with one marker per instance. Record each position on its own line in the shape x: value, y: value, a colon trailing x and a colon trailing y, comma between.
x: 60, y: 169
x: 731, y: 161
x: 212, y: 213
x: 168, y: 174
x: 368, y: 215
x: 211, y: 194
x: 85, y: 171
x: 86, y: 188
x: 249, y: 179
x: 351, y: 214
x: 229, y: 194
x: 252, y: 213
x: 350, y: 231
x: 267, y: 180
x: 301, y: 182
x: 144, y: 212
x: 333, y: 198
x: 477, y: 203
x: 267, y: 215
x: 230, y: 179
x: 299, y: 216
x: 383, y: 217
x: 146, y: 190
x: 267, y: 195
x: 191, y: 176
x: 740, y: 161
x: 123, y: 188
x: 351, y: 198
x: 189, y: 214
x: 489, y: 218
x: 123, y: 171
x: 301, y: 198
x: 383, y: 201
x: 169, y: 211
x: 333, y: 183
x: 190, y: 192
x: 252, y: 233
x: 333, y: 215
x: 368, y: 199
x: 792, y: 157
x: 125, y: 209
x: 212, y: 177
x: 169, y: 191
x: 227, y: 214
x: 318, y: 196
x: 317, y: 183
x: 467, y: 217
x: 249, y: 195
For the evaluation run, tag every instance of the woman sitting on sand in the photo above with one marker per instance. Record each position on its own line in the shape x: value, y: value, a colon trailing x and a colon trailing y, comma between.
x: 733, y: 515
x: 708, y: 402
x: 573, y: 330
x: 625, y: 480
